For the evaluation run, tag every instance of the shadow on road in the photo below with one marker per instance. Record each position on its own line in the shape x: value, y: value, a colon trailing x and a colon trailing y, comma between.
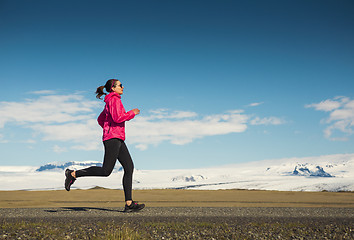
x: 80, y: 209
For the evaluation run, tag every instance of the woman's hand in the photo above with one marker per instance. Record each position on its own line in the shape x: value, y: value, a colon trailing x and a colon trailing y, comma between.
x: 136, y: 111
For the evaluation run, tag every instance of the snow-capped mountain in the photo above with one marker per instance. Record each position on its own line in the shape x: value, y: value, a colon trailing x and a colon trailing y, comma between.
x: 330, y: 173
x: 303, y: 170
x: 192, y: 178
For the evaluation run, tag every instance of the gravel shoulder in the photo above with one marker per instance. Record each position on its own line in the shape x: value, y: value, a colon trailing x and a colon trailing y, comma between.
x: 177, y: 223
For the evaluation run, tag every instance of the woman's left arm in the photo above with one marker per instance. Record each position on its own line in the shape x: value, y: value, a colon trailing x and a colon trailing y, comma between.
x: 118, y: 113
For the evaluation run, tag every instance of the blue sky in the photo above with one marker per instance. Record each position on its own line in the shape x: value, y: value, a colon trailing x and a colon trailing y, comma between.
x: 217, y: 82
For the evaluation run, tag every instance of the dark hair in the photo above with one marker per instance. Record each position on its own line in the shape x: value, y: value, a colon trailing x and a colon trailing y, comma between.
x: 108, y: 86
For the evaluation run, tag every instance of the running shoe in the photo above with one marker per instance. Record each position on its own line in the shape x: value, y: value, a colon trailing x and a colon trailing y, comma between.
x: 134, y: 207
x: 69, y: 180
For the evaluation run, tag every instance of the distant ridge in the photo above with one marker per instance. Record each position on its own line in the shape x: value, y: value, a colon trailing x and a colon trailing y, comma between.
x: 71, y: 165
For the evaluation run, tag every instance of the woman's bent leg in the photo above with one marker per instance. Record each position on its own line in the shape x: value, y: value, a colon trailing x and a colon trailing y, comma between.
x: 112, y: 149
x: 128, y: 166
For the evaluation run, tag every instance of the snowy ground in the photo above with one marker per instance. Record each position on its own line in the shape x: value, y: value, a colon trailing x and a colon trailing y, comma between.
x: 330, y: 173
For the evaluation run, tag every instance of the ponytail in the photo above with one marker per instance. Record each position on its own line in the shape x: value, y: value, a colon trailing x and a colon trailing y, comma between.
x: 99, y: 92
x: 108, y: 86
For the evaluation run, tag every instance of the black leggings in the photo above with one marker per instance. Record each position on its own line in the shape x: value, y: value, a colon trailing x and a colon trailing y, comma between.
x: 114, y: 149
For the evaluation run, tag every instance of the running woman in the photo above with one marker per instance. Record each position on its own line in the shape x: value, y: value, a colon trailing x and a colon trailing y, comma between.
x: 112, y: 120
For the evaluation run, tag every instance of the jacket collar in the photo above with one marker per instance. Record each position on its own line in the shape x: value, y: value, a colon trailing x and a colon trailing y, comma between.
x: 110, y: 95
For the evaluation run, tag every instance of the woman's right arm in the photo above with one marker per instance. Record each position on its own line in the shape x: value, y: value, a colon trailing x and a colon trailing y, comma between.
x: 101, y: 118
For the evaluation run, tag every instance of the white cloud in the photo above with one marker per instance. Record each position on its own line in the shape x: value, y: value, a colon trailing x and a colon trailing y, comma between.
x: 44, y: 92
x: 327, y: 105
x: 255, y: 104
x: 142, y: 147
x: 68, y: 131
x: 84, y: 135
x: 267, y: 121
x: 56, y: 118
x: 47, y: 109
x: 2, y: 140
x: 72, y: 119
x: 59, y: 149
x: 30, y: 141
x: 340, y: 119
x: 163, y: 113
x: 146, y: 130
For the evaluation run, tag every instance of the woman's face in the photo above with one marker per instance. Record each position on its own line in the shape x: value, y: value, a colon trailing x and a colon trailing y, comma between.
x: 117, y: 88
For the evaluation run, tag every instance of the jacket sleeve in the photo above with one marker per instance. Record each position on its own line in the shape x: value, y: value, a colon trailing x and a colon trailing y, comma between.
x: 117, y: 111
x: 101, y: 118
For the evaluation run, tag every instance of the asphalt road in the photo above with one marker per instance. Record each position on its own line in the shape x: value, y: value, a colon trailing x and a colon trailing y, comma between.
x: 170, y: 212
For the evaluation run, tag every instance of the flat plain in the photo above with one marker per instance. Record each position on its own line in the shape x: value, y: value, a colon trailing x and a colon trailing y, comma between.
x: 175, y: 198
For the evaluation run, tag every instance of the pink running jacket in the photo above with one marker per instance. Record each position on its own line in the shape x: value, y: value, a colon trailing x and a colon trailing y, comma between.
x: 112, y: 118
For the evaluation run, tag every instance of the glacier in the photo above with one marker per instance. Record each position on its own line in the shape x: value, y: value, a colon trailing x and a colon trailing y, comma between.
x: 320, y: 173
